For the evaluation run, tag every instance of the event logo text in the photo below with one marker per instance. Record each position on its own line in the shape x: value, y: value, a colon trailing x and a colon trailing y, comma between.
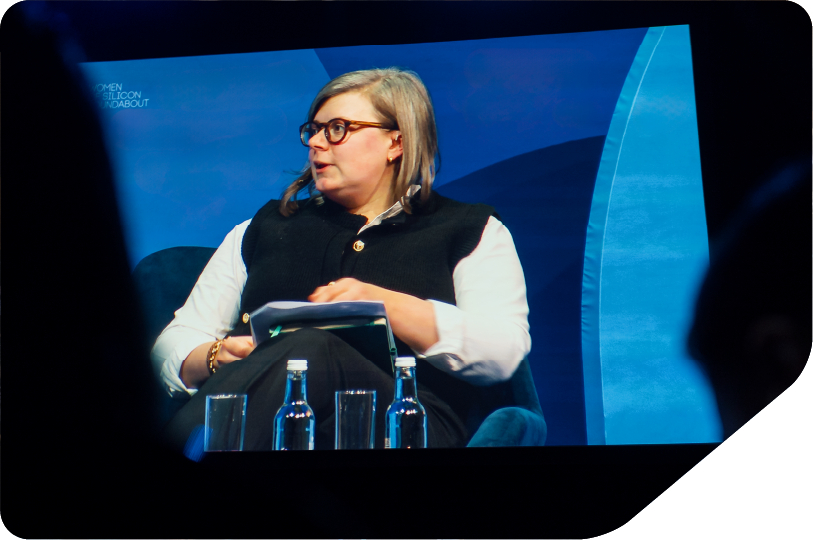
x: 113, y: 96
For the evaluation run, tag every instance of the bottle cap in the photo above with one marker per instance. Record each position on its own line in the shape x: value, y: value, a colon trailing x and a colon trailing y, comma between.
x: 297, y: 365
x: 405, y: 361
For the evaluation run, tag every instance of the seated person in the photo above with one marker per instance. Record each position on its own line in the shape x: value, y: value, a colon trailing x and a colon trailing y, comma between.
x: 752, y: 326
x: 371, y: 229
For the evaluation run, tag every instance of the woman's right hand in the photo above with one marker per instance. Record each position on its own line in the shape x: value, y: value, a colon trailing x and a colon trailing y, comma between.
x: 195, y: 369
x: 234, y: 348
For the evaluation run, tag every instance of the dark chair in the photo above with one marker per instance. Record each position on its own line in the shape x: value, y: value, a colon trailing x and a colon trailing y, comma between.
x: 508, y: 414
x: 163, y: 281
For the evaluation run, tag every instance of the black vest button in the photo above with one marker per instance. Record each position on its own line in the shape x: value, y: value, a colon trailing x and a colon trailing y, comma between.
x: 358, y: 245
x: 245, y: 317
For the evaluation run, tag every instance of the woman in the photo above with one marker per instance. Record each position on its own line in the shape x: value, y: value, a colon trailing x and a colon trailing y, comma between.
x: 372, y: 229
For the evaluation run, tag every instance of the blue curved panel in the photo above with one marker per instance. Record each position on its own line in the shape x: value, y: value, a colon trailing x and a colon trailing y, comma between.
x: 594, y: 242
x: 499, y: 98
x: 646, y: 253
x: 543, y: 197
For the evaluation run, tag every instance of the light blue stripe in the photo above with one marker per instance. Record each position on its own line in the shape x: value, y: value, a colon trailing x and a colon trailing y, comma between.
x: 654, y: 256
x: 594, y: 243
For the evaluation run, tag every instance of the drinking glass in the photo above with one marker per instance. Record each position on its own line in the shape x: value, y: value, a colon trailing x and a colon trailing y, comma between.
x: 225, y: 422
x: 355, y: 419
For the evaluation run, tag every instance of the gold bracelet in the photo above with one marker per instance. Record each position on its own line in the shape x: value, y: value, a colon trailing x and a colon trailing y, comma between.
x: 213, y: 354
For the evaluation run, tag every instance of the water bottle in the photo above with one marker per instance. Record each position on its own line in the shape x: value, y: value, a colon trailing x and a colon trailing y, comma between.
x: 406, y: 417
x: 294, y: 424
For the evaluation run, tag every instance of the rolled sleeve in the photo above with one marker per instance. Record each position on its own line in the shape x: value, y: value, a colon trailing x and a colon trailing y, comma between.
x: 170, y: 354
x: 210, y: 312
x: 486, y: 335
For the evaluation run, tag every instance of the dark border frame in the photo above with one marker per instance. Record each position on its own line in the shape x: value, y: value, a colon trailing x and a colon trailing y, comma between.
x: 752, y: 78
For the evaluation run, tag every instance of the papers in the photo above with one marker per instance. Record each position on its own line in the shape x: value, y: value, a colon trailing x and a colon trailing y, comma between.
x: 362, y: 324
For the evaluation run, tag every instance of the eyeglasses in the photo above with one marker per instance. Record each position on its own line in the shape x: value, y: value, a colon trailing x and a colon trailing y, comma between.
x: 335, y: 130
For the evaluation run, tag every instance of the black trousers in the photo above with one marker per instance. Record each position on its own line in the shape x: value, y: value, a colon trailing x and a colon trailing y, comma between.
x: 333, y: 365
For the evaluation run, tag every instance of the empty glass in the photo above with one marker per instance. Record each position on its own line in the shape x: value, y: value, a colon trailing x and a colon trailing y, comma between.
x: 355, y: 419
x: 225, y: 423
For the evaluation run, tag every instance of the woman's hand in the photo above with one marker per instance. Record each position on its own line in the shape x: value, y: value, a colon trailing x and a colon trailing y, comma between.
x: 349, y: 289
x: 412, y: 319
x: 234, y: 348
x: 195, y: 369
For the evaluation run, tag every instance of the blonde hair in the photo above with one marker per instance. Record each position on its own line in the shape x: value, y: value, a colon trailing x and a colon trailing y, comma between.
x: 401, y: 99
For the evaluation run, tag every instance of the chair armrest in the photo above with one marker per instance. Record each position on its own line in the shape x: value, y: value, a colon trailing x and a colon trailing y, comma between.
x: 511, y: 426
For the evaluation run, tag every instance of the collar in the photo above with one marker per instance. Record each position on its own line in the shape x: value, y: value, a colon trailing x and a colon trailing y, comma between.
x: 392, y: 211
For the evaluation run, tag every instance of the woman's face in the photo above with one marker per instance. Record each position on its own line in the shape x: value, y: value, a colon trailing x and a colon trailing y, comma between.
x: 356, y: 172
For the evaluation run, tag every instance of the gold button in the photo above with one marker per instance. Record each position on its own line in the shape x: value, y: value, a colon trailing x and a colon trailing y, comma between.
x: 358, y: 245
x: 245, y: 317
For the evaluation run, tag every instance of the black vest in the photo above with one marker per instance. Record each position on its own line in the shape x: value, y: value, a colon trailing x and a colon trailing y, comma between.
x: 288, y: 257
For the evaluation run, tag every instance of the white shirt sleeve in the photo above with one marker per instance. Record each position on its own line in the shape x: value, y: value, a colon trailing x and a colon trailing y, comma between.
x: 209, y: 313
x: 485, y: 336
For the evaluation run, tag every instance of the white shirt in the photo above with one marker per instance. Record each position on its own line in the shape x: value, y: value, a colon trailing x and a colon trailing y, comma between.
x: 482, y: 339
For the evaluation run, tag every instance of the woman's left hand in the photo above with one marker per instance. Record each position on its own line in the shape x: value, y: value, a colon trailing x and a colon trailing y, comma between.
x: 412, y: 319
x: 348, y: 289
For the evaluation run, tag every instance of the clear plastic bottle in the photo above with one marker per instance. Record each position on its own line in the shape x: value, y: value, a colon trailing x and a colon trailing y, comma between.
x: 295, y: 424
x: 406, y: 417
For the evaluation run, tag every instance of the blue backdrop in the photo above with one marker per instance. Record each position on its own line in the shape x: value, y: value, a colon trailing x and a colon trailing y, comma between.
x: 585, y: 143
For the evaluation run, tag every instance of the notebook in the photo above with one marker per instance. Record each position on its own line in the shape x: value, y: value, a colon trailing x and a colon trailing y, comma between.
x: 363, y: 324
